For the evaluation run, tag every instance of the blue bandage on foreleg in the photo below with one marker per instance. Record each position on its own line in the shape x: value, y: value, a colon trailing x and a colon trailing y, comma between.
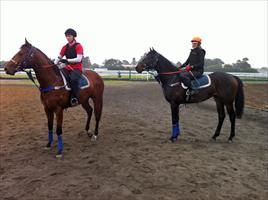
x: 175, y: 130
x: 60, y: 145
x: 50, y: 136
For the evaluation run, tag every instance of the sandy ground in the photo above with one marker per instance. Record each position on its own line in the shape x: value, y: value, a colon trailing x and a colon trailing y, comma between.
x: 133, y: 158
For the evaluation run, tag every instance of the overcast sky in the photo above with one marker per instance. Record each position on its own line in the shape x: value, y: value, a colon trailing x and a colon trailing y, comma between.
x: 230, y: 30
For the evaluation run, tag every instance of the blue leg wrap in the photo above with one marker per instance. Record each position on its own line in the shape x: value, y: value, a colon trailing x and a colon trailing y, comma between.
x: 60, y: 145
x: 50, y: 136
x: 175, y: 130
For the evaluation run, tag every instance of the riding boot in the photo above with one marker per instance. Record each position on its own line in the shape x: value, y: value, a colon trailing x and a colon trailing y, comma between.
x: 74, y: 91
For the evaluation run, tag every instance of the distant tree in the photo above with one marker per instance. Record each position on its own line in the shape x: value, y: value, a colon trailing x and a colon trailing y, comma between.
x: 113, y: 64
x: 216, y: 64
x: 242, y: 66
x: 245, y: 59
x: 86, y: 62
x: 134, y: 62
x: 215, y: 61
x: 125, y: 62
x: 178, y: 64
x: 2, y: 64
x: 227, y: 67
x: 95, y: 65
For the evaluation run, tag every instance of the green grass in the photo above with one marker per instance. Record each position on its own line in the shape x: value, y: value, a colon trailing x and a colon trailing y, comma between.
x: 16, y: 82
x: 16, y: 76
x: 117, y: 82
x: 21, y: 79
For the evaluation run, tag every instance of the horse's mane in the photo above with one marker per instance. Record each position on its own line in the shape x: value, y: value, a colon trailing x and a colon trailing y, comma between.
x: 166, y: 61
x: 55, y: 67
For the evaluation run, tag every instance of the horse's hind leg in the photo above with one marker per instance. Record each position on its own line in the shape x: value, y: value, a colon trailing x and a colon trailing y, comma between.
x: 50, y: 117
x: 232, y: 116
x: 89, y: 110
x: 221, y: 116
x: 97, y: 111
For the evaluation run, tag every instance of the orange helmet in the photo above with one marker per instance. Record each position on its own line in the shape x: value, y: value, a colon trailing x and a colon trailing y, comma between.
x: 196, y: 39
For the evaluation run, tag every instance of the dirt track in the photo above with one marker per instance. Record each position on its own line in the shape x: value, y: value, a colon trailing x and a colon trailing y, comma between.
x: 132, y: 158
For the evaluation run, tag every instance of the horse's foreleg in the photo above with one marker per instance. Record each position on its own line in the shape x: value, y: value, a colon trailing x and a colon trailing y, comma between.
x: 221, y: 116
x: 98, y: 102
x: 89, y: 110
x: 232, y: 116
x: 59, y: 116
x: 50, y: 117
x: 175, y: 121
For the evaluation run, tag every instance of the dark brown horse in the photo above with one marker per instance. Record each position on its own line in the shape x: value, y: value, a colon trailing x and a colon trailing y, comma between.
x: 54, y: 96
x: 226, y: 89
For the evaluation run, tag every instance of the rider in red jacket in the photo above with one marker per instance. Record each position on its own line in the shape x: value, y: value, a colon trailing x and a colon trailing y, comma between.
x: 73, y: 51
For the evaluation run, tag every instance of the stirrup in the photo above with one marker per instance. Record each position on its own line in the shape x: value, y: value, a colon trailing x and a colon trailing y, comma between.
x: 190, y: 92
x: 74, y: 102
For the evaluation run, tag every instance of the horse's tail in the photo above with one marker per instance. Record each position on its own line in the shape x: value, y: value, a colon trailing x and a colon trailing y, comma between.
x: 239, y: 99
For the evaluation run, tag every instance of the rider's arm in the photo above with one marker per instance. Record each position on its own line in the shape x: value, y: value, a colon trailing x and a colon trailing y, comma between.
x: 56, y: 61
x: 186, y: 63
x: 201, y: 59
x: 78, y: 59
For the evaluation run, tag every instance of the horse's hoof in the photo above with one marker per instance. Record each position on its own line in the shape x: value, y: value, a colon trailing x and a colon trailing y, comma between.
x: 59, y: 155
x: 47, y: 147
x: 173, y: 139
x: 213, y: 139
x: 89, y: 133
x: 230, y: 141
x: 94, y: 138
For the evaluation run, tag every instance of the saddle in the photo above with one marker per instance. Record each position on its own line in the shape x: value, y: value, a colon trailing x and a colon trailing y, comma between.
x: 199, y: 83
x: 83, y: 82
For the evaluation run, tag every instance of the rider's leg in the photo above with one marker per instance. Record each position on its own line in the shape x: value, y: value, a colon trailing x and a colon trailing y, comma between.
x: 193, y: 76
x: 75, y: 75
x: 185, y: 78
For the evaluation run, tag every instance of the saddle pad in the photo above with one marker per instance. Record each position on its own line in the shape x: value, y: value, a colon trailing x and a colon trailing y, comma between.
x: 202, y: 82
x: 83, y: 82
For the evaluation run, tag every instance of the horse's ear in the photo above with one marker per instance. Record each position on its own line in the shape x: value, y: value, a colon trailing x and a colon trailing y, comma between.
x: 27, y: 43
x: 153, y: 49
x: 150, y: 49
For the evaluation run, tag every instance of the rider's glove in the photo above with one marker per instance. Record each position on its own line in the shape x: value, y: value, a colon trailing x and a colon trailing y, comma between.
x: 188, y: 68
x: 64, y: 61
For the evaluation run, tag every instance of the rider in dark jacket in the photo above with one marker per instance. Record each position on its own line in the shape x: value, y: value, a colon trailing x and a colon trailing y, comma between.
x: 194, y: 65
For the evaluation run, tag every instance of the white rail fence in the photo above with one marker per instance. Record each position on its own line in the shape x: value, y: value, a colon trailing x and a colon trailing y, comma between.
x: 132, y: 74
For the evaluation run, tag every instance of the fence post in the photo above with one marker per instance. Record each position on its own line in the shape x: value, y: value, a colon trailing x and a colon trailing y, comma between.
x: 129, y: 74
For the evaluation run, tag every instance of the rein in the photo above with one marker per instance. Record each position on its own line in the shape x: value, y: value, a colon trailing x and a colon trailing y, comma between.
x: 22, y: 65
x: 171, y: 73
x: 148, y: 68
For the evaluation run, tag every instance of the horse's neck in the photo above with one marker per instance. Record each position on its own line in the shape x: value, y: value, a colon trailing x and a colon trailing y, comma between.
x: 163, y: 67
x: 45, y: 73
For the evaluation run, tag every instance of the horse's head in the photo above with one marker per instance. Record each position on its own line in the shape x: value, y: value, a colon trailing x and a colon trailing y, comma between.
x: 20, y: 60
x: 148, y: 61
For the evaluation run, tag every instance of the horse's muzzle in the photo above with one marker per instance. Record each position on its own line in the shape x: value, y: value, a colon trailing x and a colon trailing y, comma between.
x: 9, y: 71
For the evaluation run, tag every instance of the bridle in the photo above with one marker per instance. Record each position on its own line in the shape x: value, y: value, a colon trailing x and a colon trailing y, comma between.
x: 22, y: 65
x: 149, y: 68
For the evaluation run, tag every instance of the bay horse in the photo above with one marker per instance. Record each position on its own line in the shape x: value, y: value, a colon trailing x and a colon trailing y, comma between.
x: 54, y: 96
x: 226, y: 89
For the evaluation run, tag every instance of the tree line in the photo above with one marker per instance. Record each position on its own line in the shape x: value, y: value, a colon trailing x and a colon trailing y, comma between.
x: 211, y: 65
